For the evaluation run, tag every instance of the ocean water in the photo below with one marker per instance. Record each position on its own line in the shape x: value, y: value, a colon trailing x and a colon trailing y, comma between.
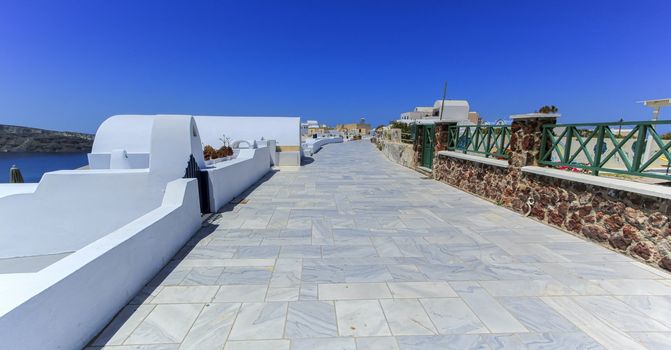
x: 34, y: 165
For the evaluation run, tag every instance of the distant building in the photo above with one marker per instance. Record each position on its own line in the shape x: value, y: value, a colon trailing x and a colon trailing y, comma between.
x: 312, y: 127
x: 417, y: 113
x: 474, y: 117
x: 308, y: 126
x: 452, y: 110
x: 319, y: 129
x: 360, y: 128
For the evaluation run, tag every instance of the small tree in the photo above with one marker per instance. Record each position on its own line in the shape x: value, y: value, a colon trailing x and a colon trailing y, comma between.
x: 405, y: 128
x: 548, y: 109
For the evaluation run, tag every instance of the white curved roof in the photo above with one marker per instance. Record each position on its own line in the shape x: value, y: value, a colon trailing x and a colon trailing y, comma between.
x: 129, y: 132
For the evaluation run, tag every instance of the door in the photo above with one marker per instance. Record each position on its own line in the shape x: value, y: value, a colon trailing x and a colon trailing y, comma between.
x: 428, y: 146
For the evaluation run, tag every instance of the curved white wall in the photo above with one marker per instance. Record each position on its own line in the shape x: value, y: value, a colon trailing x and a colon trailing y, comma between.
x: 120, y: 227
x: 313, y: 146
x: 129, y: 132
x: 66, y: 304
x: 285, y: 130
x: 76, y: 207
x: 170, y: 154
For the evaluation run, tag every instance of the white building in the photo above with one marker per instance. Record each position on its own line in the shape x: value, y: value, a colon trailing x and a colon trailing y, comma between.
x: 452, y: 110
x: 417, y: 113
x: 310, y: 124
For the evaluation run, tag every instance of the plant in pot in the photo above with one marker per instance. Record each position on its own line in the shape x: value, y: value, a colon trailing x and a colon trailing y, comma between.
x: 209, y: 153
x: 225, y: 150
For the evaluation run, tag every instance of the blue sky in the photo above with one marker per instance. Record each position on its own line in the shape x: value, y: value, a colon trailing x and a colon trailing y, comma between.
x: 70, y: 64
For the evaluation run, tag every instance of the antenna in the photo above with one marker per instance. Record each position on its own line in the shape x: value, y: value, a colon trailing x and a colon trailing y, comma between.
x: 442, y: 102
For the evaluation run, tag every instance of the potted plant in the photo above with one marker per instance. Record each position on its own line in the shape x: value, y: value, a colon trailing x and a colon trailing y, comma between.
x: 225, y: 151
x: 210, y: 154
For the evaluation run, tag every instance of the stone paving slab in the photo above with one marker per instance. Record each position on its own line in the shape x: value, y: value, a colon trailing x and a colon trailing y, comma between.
x: 356, y: 252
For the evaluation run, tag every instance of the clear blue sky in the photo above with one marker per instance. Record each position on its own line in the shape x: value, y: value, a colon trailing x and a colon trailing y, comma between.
x: 71, y: 64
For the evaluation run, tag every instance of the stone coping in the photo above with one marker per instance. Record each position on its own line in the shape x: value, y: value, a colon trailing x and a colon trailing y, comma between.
x: 478, y: 159
x: 616, y: 184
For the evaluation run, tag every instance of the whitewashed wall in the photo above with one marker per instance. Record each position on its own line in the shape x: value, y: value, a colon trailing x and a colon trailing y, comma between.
x: 77, y: 207
x: 13, y: 188
x: 120, y: 226
x: 453, y: 110
x: 231, y: 178
x: 285, y: 130
x: 66, y: 304
x: 312, y: 146
x: 128, y: 132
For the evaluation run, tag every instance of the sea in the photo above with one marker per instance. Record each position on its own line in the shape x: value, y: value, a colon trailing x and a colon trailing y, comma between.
x: 34, y: 165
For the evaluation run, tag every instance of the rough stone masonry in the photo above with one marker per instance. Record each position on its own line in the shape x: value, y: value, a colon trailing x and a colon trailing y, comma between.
x: 631, y: 223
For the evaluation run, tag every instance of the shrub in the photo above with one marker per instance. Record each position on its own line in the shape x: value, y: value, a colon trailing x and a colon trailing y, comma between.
x: 209, y: 153
x: 405, y: 128
x: 224, y: 151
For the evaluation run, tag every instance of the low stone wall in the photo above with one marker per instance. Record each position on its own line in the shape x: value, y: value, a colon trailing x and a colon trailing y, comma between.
x: 631, y: 223
x: 401, y: 153
x: 481, y: 179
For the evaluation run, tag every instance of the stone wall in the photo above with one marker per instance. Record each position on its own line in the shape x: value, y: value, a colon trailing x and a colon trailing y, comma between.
x: 418, y: 145
x: 401, y: 153
x: 628, y: 222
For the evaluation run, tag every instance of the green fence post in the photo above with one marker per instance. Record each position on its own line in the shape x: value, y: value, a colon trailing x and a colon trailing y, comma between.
x: 640, y: 147
x: 567, y: 144
x: 544, y: 140
x: 476, y: 136
x: 599, y: 146
x: 468, y: 139
x: 502, y: 149
x: 451, y: 138
x: 488, y: 141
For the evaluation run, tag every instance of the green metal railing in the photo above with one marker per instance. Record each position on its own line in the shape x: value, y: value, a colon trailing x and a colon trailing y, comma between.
x: 597, y: 147
x: 490, y: 140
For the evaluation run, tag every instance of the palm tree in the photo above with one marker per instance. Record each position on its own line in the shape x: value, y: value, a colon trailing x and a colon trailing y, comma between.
x: 548, y: 110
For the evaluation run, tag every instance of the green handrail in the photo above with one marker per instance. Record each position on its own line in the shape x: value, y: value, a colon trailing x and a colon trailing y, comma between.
x: 595, y: 148
x: 490, y: 140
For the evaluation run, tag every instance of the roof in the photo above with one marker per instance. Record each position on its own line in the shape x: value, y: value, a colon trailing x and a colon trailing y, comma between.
x: 450, y: 103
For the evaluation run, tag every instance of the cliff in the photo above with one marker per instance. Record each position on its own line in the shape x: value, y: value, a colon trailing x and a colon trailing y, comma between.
x: 23, y: 139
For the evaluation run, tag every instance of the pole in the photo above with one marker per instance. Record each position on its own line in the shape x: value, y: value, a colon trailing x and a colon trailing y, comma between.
x: 15, y: 175
x: 648, y: 141
x: 442, y: 102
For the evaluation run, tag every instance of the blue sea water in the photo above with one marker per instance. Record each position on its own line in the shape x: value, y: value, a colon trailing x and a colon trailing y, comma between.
x: 34, y: 165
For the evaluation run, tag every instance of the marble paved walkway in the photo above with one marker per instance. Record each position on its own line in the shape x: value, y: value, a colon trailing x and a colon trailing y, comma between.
x: 356, y: 252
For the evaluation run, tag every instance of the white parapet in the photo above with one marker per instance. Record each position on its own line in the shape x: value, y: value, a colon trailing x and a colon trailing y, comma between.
x: 20, y: 188
x: 312, y: 146
x: 285, y: 131
x: 228, y: 179
x: 85, y: 241
x: 67, y: 303
x: 81, y: 243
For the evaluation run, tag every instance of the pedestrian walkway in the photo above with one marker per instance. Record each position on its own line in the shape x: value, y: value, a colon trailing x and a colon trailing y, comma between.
x: 353, y: 251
